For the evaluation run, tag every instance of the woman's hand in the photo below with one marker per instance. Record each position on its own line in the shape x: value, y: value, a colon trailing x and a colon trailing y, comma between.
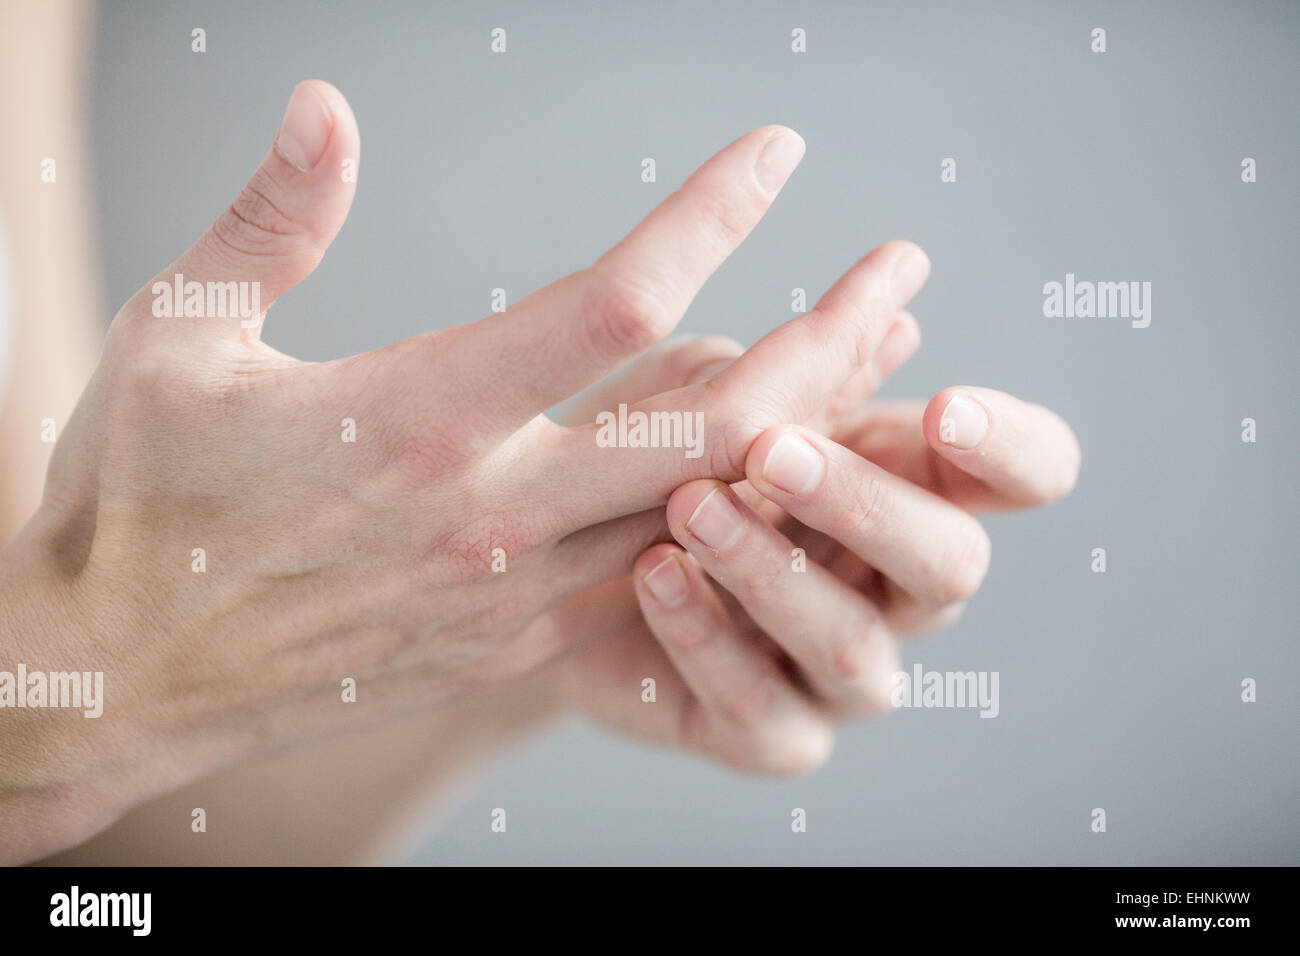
x: 229, y: 533
x: 774, y: 614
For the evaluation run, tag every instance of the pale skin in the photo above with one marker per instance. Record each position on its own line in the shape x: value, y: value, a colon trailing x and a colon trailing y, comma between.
x: 373, y: 559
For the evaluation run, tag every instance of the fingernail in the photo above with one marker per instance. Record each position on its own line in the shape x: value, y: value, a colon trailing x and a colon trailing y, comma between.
x: 778, y: 159
x: 715, y: 522
x: 667, y: 582
x: 305, y: 129
x: 793, y: 465
x: 963, y: 423
x: 910, y: 272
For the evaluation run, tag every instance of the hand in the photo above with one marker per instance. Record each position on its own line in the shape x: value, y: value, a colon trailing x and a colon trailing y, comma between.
x: 211, y: 540
x: 754, y: 661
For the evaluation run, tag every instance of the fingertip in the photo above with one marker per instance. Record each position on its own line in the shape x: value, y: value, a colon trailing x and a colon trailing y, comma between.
x: 879, y: 692
x: 785, y: 458
x: 305, y: 129
x: 933, y: 410
x: 900, y: 344
x: 958, y: 419
x: 1071, y: 461
x: 662, y: 576
x: 758, y: 452
x: 816, y: 746
x: 798, y: 145
x: 319, y: 132
x: 686, y: 500
x: 333, y: 98
x: 906, y: 247
x: 706, y: 517
x: 1027, y: 453
x: 653, y: 556
x: 781, y: 151
x: 770, y: 131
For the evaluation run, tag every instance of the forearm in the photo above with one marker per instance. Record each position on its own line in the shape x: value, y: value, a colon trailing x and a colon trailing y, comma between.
x: 89, y: 724
x: 60, y: 777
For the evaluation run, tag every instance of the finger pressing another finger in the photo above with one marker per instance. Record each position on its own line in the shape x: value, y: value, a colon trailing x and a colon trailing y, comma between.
x: 834, y: 634
x: 800, y: 367
x: 788, y: 376
x: 900, y: 344
x: 749, y: 708
x: 995, y: 450
x: 931, y: 548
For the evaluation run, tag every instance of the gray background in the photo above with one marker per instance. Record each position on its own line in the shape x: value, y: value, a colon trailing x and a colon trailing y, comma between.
x: 1119, y: 690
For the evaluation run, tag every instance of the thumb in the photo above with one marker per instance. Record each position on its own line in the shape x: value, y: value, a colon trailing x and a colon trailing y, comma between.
x: 278, y: 228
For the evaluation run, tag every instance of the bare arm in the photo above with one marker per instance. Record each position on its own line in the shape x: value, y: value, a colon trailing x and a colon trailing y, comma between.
x: 55, y: 293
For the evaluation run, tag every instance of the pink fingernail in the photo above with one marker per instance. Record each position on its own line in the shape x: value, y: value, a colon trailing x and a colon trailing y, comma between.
x: 305, y: 129
x: 667, y: 582
x: 910, y: 272
x: 778, y: 159
x: 793, y: 465
x: 963, y: 423
x: 715, y: 522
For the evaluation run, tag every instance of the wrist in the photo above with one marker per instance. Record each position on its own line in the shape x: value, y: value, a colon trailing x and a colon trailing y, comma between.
x: 77, y: 753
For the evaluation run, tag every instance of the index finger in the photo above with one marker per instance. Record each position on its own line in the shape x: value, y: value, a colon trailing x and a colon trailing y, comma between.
x: 577, y: 330
x: 786, y: 378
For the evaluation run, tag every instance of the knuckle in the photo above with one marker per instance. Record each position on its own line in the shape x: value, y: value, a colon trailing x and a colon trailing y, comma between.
x: 255, y: 207
x: 254, y: 225
x: 764, y: 583
x: 850, y: 651
x: 515, y: 530
x: 872, y: 503
x: 686, y: 639
x: 727, y: 217
x: 625, y: 315
x: 746, y: 707
x: 865, y: 327
x: 421, y: 453
x: 728, y: 446
x: 472, y: 548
